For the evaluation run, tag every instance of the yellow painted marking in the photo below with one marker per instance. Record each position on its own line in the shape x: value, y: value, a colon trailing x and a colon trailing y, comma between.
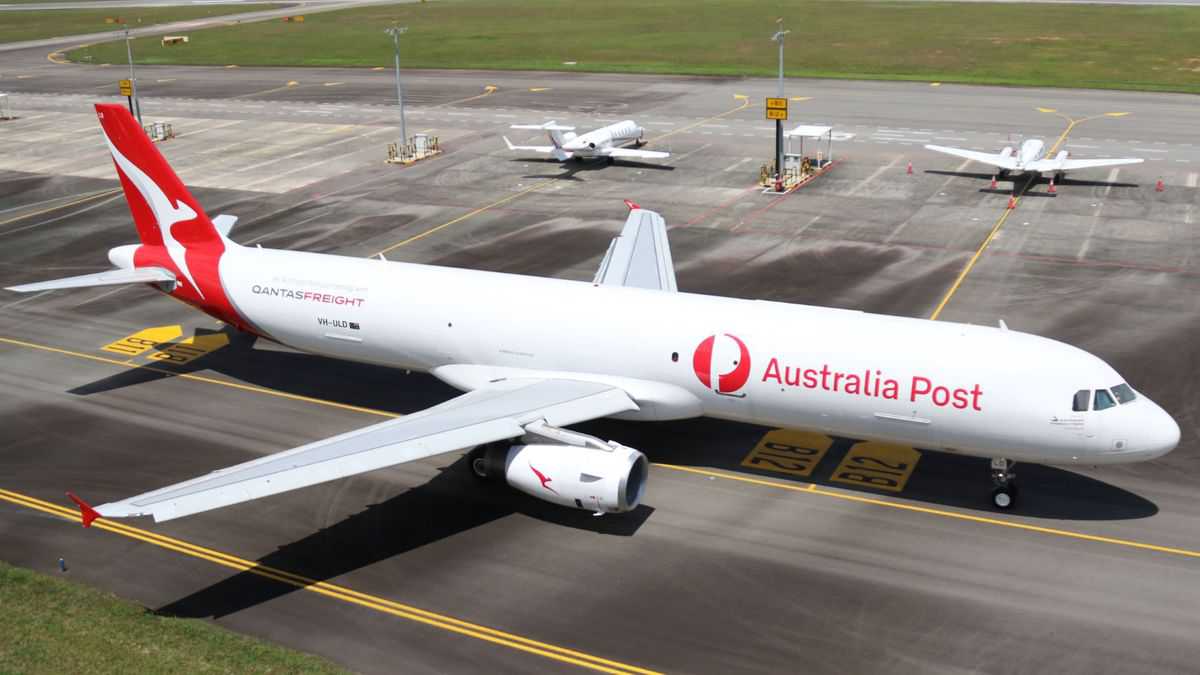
x: 59, y: 58
x: 291, y: 83
x: 883, y: 466
x: 877, y: 501
x: 333, y: 84
x: 746, y: 103
x: 935, y: 84
x: 538, y: 89
x: 971, y: 263
x: 487, y: 91
x: 25, y: 77
x: 795, y: 453
x: 196, y: 378
x: 94, y: 195
x: 1116, y: 114
x: 343, y: 593
x: 801, y: 98
x: 377, y: 68
x: 232, y: 65
x: 190, y: 349
x: 1047, y: 110
x: 143, y: 340
x: 688, y: 469
x: 168, y: 79
x: 461, y: 218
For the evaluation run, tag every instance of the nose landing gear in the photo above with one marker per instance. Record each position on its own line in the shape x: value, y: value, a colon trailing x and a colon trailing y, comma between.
x: 1005, y: 480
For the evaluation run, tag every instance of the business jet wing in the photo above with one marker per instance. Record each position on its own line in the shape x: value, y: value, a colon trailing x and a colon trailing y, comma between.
x: 1073, y: 164
x: 498, y: 411
x: 141, y: 275
x: 557, y: 152
x: 640, y: 256
x: 994, y: 159
x: 633, y: 153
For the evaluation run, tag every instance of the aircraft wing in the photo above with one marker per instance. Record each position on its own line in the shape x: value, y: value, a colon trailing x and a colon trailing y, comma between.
x: 640, y: 154
x: 995, y: 159
x: 496, y: 412
x: 141, y: 275
x: 640, y: 256
x: 1073, y: 164
x: 558, y: 153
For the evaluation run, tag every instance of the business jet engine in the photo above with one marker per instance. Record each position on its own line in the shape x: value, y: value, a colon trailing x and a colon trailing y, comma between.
x: 607, y: 479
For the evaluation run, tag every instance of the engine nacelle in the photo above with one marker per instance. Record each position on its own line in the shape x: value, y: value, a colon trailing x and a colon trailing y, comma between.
x: 1007, y: 152
x: 610, y: 481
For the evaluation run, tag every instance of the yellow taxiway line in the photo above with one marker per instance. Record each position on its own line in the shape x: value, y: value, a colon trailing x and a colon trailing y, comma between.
x: 339, y: 592
x: 86, y: 198
x: 812, y: 487
x: 974, y: 259
x: 745, y: 104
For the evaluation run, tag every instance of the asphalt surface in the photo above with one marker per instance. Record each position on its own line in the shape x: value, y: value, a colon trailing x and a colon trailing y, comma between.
x: 728, y: 569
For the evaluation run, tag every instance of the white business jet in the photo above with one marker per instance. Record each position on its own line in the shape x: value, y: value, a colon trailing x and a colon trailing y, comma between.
x: 602, y: 142
x: 1031, y: 158
x: 627, y: 345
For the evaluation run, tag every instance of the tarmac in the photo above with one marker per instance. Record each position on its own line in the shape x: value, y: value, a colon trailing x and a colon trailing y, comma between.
x: 728, y: 566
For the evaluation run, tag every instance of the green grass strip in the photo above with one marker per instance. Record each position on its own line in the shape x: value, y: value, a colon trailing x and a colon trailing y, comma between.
x: 50, y: 625
x: 1106, y: 46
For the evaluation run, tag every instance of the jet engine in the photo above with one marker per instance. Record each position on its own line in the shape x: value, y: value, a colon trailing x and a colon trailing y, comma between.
x: 608, y: 480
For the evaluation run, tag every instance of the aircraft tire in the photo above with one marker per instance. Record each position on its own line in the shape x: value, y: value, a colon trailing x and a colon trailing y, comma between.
x: 1004, y: 497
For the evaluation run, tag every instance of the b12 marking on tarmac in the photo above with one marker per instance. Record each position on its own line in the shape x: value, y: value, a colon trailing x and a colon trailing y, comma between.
x: 795, y: 453
x: 161, y: 339
x: 141, y: 341
x: 882, y: 466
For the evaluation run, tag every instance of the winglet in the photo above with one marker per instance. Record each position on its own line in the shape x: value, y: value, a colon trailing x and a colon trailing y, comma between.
x: 85, y: 510
x: 631, y: 205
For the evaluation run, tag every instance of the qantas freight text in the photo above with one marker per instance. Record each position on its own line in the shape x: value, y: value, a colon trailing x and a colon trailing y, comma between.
x: 313, y: 296
x: 873, y: 384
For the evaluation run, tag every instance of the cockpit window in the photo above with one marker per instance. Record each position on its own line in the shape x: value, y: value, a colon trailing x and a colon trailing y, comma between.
x: 1123, y: 393
x: 1081, y: 400
x: 1104, y: 400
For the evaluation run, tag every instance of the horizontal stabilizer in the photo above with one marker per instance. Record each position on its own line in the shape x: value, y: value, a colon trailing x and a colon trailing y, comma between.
x: 1076, y: 164
x: 548, y: 126
x: 999, y: 160
x: 141, y: 275
x: 224, y: 223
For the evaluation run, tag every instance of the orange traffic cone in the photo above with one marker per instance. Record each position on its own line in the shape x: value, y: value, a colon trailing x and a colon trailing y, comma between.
x: 993, y: 183
x: 909, y: 170
x: 1012, y: 202
x: 1159, y: 187
x: 1052, y: 190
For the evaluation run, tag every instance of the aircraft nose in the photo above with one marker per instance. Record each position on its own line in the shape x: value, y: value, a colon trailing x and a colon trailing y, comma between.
x: 1160, y: 433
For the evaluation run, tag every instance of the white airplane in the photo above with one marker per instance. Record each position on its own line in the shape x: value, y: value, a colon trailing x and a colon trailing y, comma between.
x: 1031, y: 158
x: 602, y: 142
x: 626, y: 345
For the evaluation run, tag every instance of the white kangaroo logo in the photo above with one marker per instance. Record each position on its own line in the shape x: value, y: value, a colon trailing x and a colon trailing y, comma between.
x: 167, y: 212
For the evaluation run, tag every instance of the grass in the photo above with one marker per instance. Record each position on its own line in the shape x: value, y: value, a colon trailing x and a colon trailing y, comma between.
x: 52, y: 626
x: 1108, y: 46
x: 19, y: 25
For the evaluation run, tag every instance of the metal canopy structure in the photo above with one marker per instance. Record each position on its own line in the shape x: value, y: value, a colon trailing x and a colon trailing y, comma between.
x: 820, y: 135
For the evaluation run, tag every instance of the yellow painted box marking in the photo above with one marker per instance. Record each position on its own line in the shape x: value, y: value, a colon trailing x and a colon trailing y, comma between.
x: 795, y: 453
x: 882, y: 466
x: 133, y: 345
x: 190, y: 349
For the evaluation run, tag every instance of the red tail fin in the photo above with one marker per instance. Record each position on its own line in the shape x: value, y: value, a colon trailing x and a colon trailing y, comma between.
x: 157, y: 198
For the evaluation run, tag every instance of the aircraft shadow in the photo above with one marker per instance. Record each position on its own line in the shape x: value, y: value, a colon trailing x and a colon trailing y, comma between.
x: 939, y: 478
x: 451, y: 503
x: 571, y: 167
x: 1036, y: 180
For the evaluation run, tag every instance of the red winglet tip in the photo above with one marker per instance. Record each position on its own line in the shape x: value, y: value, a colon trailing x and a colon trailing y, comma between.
x: 85, y: 510
x: 631, y: 205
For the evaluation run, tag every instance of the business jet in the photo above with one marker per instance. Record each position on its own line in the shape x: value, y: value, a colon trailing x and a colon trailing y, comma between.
x: 627, y: 344
x: 1031, y: 157
x: 603, y: 142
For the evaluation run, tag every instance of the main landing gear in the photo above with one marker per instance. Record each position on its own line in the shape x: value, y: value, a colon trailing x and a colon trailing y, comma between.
x: 1005, y: 480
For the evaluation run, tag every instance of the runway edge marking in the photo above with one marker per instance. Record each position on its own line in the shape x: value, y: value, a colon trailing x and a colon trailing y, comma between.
x: 812, y: 488
x: 343, y: 593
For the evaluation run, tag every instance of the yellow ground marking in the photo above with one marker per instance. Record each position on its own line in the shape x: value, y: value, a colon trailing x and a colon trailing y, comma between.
x: 883, y: 466
x: 877, y: 501
x: 788, y: 451
x: 89, y: 197
x: 196, y: 378
x: 935, y: 84
x: 487, y: 91
x: 746, y: 103
x: 338, y: 592
x: 333, y: 84
x: 539, y: 89
x: 812, y: 487
x: 801, y: 98
x: 165, y: 79
x: 377, y: 68
x: 143, y: 340
x: 25, y: 77
x: 59, y: 58
x: 461, y: 218
x: 291, y: 83
x: 232, y: 65
x: 189, y: 350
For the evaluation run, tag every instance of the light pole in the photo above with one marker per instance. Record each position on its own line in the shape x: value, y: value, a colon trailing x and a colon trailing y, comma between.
x: 778, y: 37
x: 137, y: 105
x: 396, y: 32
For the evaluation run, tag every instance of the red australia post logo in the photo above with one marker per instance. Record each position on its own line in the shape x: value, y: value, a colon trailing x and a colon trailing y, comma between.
x: 722, y: 363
